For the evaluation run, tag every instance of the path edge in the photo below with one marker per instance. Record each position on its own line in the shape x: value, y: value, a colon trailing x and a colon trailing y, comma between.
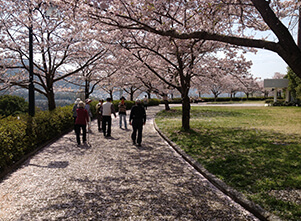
x: 238, y: 197
x: 15, y: 166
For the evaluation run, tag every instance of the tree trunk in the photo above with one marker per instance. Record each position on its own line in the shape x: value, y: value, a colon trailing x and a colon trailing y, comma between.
x: 266, y: 94
x: 167, y: 108
x: 51, y: 100
x: 185, y: 112
x: 132, y: 96
x: 87, y: 87
x: 215, y: 97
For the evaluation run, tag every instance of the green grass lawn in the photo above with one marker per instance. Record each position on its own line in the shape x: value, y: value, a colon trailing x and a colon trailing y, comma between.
x: 256, y: 150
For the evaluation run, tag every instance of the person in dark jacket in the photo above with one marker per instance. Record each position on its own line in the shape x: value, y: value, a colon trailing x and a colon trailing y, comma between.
x: 137, y: 120
x: 81, y: 122
x: 75, y: 106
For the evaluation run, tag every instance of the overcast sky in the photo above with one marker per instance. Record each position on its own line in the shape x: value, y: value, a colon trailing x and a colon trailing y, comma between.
x: 266, y: 63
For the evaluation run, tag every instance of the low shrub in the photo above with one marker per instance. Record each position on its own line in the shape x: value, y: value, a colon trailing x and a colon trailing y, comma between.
x: 49, y: 124
x: 12, y: 105
x: 226, y: 99
x: 153, y: 102
x: 22, y: 134
x: 13, y: 140
x: 282, y: 102
x: 174, y: 101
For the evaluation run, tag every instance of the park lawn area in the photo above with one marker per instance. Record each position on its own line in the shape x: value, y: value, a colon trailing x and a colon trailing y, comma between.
x: 237, y: 102
x: 256, y: 150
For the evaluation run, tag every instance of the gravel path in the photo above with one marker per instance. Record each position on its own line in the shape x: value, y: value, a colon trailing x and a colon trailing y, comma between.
x: 113, y: 180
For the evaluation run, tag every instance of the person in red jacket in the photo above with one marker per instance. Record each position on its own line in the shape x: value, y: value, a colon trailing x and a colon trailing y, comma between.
x: 81, y: 122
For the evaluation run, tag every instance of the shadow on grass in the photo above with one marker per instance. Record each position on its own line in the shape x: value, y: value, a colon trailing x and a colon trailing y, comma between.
x: 254, y: 162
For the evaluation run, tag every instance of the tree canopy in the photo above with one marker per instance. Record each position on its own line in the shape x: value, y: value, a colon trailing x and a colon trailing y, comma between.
x: 247, y: 23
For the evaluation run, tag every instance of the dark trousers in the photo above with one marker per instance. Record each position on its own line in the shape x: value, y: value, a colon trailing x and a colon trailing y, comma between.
x: 77, y: 131
x: 99, y: 123
x: 137, y: 127
x: 74, y: 124
x: 106, y: 120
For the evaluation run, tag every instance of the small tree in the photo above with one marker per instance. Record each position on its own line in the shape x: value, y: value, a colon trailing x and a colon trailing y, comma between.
x: 294, y: 85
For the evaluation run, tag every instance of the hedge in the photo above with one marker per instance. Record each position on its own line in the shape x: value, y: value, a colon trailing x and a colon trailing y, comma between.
x: 226, y: 99
x: 17, y: 138
x: 282, y: 102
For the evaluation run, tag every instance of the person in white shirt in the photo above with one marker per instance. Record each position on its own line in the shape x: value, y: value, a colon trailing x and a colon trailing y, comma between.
x: 87, y: 107
x: 107, y: 110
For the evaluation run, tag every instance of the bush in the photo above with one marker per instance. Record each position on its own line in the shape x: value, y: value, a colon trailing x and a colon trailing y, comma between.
x: 48, y: 124
x: 174, y: 101
x: 21, y: 135
x: 269, y: 101
x: 13, y: 140
x: 154, y: 102
x: 12, y: 105
x: 282, y: 102
x: 285, y: 103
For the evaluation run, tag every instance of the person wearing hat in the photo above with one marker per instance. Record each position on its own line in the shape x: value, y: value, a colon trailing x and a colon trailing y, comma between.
x: 122, y: 113
x: 75, y: 106
x: 87, y: 107
x: 81, y: 122
x: 137, y: 120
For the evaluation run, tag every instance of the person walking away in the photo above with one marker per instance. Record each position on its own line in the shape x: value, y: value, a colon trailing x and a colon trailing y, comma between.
x: 87, y: 107
x: 107, y: 110
x: 99, y: 114
x: 75, y: 106
x: 145, y: 102
x: 81, y: 121
x: 122, y: 113
x: 137, y: 120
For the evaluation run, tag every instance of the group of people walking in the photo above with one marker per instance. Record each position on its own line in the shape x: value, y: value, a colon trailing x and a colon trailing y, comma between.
x: 82, y: 117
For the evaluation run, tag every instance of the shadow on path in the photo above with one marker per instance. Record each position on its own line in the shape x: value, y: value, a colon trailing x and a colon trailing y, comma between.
x: 113, y: 180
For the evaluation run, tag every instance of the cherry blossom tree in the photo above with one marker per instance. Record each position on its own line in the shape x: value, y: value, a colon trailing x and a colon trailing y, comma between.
x: 57, y: 42
x: 241, y: 23
x: 262, y: 89
x: 278, y: 75
x: 177, y: 62
x: 233, y: 85
x: 174, y: 62
x: 249, y: 86
x: 152, y: 84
